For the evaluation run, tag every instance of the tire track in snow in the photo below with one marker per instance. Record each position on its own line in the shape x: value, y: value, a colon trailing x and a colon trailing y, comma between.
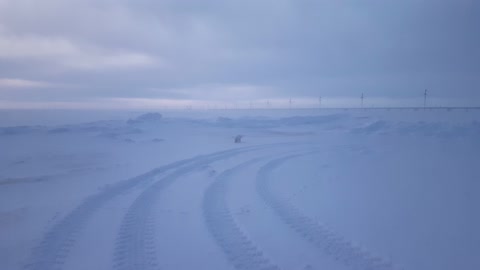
x: 135, y: 244
x: 135, y: 247
x: 53, y: 250
x: 321, y: 237
x: 221, y: 223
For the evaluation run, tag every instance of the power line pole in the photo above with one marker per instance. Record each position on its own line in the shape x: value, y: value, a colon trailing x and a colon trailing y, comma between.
x: 290, y: 103
x: 320, y: 102
x: 362, y: 99
x: 425, y: 99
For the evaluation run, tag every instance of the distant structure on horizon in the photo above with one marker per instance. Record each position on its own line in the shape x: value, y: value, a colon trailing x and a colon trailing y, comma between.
x: 425, y: 99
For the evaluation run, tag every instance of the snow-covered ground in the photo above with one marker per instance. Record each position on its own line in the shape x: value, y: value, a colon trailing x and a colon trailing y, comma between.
x: 306, y: 189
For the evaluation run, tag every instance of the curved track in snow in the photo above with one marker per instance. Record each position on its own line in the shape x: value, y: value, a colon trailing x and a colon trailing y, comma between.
x: 135, y: 246
x: 238, y: 248
x: 56, y: 244
x: 318, y: 235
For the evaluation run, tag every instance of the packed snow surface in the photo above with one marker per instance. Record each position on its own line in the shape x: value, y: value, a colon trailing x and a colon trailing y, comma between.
x: 304, y: 189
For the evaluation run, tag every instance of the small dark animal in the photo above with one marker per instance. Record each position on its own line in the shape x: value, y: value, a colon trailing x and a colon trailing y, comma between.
x: 238, y: 138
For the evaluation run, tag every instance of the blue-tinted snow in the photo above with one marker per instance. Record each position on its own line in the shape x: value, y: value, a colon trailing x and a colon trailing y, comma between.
x: 378, y: 189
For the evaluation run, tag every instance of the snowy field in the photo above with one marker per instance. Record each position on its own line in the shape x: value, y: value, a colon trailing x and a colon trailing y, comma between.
x: 306, y: 189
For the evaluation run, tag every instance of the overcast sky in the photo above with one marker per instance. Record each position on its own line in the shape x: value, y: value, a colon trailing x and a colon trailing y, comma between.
x: 98, y: 53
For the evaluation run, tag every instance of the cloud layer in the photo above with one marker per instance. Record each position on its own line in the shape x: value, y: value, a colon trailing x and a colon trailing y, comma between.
x: 75, y: 50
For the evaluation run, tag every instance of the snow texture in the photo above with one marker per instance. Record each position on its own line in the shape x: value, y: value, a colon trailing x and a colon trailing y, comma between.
x: 306, y: 189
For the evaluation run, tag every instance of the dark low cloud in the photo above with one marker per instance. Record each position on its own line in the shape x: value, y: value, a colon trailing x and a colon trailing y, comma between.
x: 237, y: 50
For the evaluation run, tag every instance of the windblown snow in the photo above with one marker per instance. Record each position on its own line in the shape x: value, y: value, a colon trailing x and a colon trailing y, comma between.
x: 304, y: 189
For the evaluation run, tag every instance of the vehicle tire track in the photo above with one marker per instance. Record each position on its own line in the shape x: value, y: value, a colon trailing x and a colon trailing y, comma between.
x: 321, y: 237
x: 135, y: 246
x: 236, y: 245
x: 53, y: 250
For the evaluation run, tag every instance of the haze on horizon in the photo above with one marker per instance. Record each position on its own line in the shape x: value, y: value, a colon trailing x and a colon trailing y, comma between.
x: 133, y: 54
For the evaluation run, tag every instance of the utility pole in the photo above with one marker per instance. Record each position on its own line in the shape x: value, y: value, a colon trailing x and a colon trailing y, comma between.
x: 362, y: 99
x: 425, y: 100
x: 290, y: 103
x: 320, y: 102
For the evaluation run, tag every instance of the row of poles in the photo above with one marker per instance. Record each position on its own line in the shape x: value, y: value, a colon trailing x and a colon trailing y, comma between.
x: 362, y: 97
x: 320, y: 99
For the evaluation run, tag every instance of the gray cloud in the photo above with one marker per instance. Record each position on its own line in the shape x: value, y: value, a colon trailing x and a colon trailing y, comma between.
x: 237, y: 50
